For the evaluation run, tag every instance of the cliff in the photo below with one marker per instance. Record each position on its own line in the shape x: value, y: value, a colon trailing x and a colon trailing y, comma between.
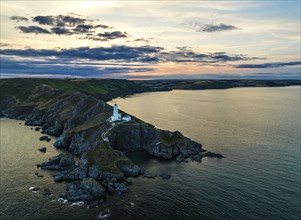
x: 80, y: 123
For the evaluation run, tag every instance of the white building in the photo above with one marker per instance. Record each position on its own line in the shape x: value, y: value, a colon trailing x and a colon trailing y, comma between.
x: 117, y: 116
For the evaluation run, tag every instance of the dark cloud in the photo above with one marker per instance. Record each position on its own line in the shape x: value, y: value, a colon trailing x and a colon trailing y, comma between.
x: 142, y: 54
x: 120, y: 53
x: 217, y: 28
x: 106, y: 36
x: 83, y: 28
x: 33, y: 29
x: 61, y: 31
x: 70, y: 25
x: 59, y: 20
x: 56, y: 68
x: 268, y: 65
x: 18, y: 18
x: 102, y: 26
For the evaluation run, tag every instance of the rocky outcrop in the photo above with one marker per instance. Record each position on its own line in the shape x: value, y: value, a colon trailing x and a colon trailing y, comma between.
x: 79, y: 121
x: 86, y: 190
x: 60, y: 162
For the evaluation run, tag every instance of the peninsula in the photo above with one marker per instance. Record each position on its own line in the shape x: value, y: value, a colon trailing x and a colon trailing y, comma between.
x: 86, y: 127
x: 75, y: 111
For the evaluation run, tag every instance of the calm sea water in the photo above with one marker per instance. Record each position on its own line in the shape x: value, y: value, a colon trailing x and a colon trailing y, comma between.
x: 256, y: 129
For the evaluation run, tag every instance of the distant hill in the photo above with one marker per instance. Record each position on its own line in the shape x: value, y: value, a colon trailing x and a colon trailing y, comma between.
x: 214, y: 84
x: 104, y: 89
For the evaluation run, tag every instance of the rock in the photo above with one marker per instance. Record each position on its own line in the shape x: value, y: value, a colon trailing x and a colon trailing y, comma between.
x: 60, y: 162
x: 62, y: 142
x: 43, y: 149
x: 36, y: 174
x: 34, y: 188
x: 149, y: 176
x: 65, y: 201
x: 129, y: 181
x: 74, y: 173
x: 131, y: 170
x: 86, y: 190
x: 131, y: 204
x: 39, y: 175
x: 48, y: 139
x: 42, y: 132
x: 20, y: 123
x: 79, y: 203
x: 211, y: 154
x: 37, y: 129
x: 121, y: 189
x: 31, y: 128
x: 197, y: 157
x: 43, y: 138
x: 165, y: 176
x: 46, y: 192
x: 104, y: 214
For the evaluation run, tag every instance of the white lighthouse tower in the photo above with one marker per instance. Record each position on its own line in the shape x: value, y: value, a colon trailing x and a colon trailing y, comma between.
x: 116, y: 115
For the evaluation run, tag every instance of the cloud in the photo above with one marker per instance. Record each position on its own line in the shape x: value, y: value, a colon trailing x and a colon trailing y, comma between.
x: 83, y: 28
x: 102, y: 26
x: 33, y: 29
x: 59, y: 20
x: 61, y: 31
x: 217, y: 28
x: 69, y: 25
x: 18, y: 18
x: 268, y: 65
x: 139, y: 54
x: 55, y: 68
x: 106, y: 36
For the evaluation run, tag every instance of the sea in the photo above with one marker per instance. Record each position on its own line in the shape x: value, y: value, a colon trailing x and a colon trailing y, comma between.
x: 257, y: 130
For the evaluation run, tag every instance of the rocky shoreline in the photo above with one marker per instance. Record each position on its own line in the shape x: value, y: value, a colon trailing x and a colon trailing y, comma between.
x: 78, y: 121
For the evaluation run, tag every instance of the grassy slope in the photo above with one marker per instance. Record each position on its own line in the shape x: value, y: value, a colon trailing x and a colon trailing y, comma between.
x: 105, y: 89
x: 214, y: 84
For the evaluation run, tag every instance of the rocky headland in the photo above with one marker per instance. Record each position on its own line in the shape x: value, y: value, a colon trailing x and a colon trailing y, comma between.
x: 80, y: 123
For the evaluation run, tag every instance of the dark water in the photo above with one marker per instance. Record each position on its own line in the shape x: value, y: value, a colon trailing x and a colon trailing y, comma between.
x: 256, y: 129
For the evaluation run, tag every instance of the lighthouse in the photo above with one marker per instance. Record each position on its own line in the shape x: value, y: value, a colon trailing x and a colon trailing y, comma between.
x: 116, y: 116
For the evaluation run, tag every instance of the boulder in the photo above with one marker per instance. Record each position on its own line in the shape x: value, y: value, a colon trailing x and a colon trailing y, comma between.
x: 43, y: 149
x: 60, y: 162
x: 131, y: 170
x: 86, y: 190
x: 43, y: 138
x: 46, y: 192
x: 211, y: 154
x: 165, y: 176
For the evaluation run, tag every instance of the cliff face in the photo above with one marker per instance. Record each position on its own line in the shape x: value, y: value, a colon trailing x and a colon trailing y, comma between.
x: 80, y: 123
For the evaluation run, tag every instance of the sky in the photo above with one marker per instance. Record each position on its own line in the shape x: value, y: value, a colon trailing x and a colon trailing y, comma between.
x: 151, y: 39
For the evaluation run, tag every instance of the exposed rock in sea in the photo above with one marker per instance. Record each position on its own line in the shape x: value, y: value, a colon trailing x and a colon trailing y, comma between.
x: 211, y: 154
x: 149, y: 176
x: 60, y: 162
x: 43, y: 149
x: 46, y: 192
x: 165, y: 176
x: 34, y: 188
x: 43, y: 138
x: 86, y: 190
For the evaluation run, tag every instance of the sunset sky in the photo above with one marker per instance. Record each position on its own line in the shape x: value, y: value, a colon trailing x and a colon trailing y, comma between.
x: 151, y: 39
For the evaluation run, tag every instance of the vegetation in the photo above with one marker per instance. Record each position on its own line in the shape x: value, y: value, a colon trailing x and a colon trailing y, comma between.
x: 105, y: 158
x: 214, y: 84
x: 104, y: 89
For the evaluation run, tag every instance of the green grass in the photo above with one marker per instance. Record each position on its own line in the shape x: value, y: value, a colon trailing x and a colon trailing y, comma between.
x: 100, y: 88
x: 105, y: 158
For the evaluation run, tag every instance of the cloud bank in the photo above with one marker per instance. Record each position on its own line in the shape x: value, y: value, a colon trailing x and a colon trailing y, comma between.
x: 68, y: 25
